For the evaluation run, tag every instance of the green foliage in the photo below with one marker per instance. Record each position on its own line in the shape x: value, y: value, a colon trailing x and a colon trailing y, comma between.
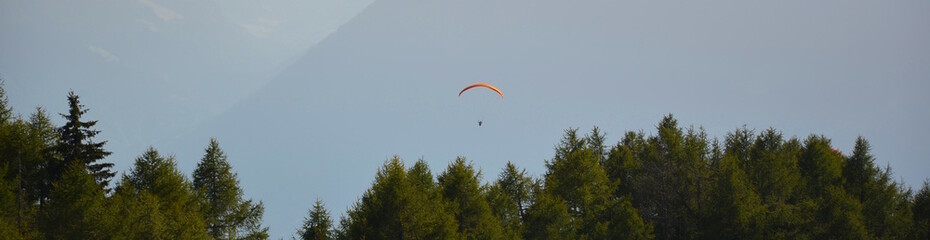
x: 76, y: 145
x: 8, y: 201
x: 576, y: 182
x: 509, y: 197
x: 884, y: 202
x: 400, y: 204
x: 921, y: 212
x: 75, y: 207
x: 734, y: 210
x: 839, y: 215
x: 460, y: 188
x: 6, y: 111
x: 820, y: 166
x: 772, y: 166
x: 53, y: 186
x: 136, y: 214
x: 676, y: 184
x: 226, y: 214
x: 318, y: 225
x: 549, y: 218
x: 23, y: 157
x: 668, y: 177
x: 159, y: 200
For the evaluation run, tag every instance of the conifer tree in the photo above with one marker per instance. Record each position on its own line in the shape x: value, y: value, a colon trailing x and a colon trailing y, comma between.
x: 820, y: 166
x: 226, y: 214
x: 76, y: 145
x: 460, y: 188
x: 884, y: 205
x: 6, y: 111
x: 136, y: 214
x: 318, y: 225
x: 670, y: 181
x: 509, y: 197
x: 921, y: 210
x: 23, y: 147
x: 42, y: 154
x: 75, y: 207
x: 624, y: 165
x: 8, y: 204
x: 734, y: 209
x: 859, y: 169
x: 155, y: 178
x: 548, y: 218
x: 575, y: 178
x: 401, y: 204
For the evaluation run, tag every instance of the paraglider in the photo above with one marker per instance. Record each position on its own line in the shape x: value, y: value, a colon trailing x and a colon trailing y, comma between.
x: 484, y: 85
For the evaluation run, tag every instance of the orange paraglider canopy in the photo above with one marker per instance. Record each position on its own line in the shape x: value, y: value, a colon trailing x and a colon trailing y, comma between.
x: 485, y: 85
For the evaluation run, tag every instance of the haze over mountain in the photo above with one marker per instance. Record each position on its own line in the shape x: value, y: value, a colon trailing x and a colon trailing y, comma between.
x: 150, y: 70
x: 385, y: 83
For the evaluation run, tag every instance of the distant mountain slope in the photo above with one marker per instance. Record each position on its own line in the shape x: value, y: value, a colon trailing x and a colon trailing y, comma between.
x: 386, y: 82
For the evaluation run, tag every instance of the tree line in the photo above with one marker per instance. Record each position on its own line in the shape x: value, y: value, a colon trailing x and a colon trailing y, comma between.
x: 675, y: 184
x: 55, y: 185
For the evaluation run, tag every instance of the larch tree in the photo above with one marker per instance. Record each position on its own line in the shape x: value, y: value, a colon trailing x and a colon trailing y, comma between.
x: 548, y: 218
x: 467, y: 202
x: 75, y: 207
x: 921, y: 210
x: 226, y: 214
x: 575, y: 178
x: 670, y: 180
x: 6, y: 112
x: 401, y: 204
x: 734, y: 210
x: 23, y: 154
x: 318, y: 225
x: 158, y: 177
x: 509, y: 197
x: 883, y: 200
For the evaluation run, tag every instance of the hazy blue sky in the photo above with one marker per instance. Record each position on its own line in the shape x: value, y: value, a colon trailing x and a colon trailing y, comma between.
x: 308, y: 99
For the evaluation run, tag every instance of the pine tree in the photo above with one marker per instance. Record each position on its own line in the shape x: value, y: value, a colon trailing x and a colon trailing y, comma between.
x: 227, y: 215
x: 76, y: 145
x: 318, y: 225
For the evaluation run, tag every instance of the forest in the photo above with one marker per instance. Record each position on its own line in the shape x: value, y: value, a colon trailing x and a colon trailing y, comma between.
x: 676, y: 184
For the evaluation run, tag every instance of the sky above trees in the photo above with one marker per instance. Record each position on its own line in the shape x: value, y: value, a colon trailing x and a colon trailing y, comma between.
x: 302, y: 97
